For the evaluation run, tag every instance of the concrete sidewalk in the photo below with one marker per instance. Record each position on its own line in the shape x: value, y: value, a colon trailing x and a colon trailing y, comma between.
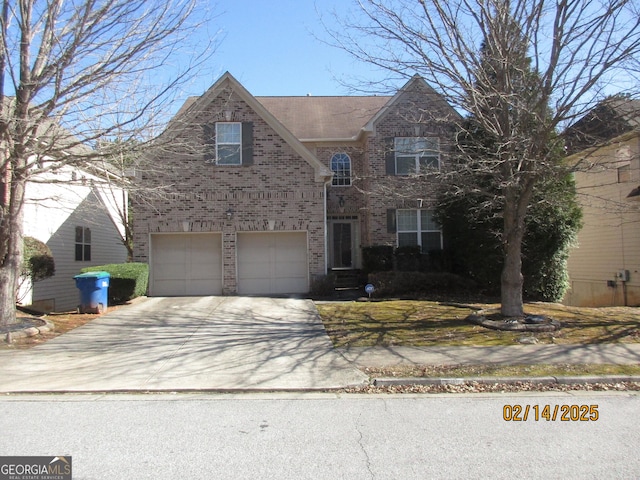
x: 612, y: 353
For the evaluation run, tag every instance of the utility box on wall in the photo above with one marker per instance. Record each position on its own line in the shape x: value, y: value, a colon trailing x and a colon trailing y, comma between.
x: 622, y: 275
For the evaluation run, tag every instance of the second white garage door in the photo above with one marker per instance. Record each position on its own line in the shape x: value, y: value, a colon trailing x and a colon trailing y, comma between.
x: 272, y: 263
x: 186, y: 264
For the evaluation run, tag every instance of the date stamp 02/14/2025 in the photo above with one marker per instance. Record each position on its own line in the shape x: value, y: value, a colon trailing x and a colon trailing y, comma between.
x: 550, y: 413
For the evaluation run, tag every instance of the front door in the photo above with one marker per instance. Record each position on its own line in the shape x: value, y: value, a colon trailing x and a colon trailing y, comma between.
x: 342, y: 251
x: 342, y: 241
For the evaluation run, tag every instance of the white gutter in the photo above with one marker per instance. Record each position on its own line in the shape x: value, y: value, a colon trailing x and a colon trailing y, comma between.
x: 326, y: 230
x: 355, y: 138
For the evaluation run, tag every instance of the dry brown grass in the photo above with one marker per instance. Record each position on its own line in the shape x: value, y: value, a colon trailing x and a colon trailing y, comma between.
x: 424, y: 323
x: 461, y: 371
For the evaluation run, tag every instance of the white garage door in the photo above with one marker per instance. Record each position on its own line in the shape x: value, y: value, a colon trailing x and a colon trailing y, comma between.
x: 272, y: 263
x: 186, y: 264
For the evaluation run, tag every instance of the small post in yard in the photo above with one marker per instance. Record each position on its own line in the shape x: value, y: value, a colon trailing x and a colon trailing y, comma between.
x: 369, y: 288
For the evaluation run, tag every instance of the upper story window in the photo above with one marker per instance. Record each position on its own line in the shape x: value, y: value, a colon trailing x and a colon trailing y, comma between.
x: 229, y: 143
x: 83, y: 244
x: 416, y: 155
x: 417, y: 227
x: 341, y: 167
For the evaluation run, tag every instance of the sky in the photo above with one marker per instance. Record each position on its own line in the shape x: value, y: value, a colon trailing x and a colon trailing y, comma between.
x: 272, y: 48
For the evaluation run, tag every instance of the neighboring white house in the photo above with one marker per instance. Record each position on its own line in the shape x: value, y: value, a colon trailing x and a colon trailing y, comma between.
x: 76, y: 214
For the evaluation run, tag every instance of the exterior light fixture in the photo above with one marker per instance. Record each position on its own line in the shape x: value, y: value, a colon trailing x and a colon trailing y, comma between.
x: 227, y: 115
x: 229, y: 213
x: 186, y: 226
x: 341, y: 203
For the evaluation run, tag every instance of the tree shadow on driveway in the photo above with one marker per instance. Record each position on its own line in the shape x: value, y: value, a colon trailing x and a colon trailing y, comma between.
x: 187, y: 343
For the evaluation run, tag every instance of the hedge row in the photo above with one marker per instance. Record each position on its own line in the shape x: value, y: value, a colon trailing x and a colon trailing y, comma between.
x: 128, y: 280
x: 383, y: 258
x: 419, y: 283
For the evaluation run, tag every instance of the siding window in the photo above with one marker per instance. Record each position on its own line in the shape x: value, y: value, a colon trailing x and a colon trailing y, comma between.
x: 229, y: 143
x: 417, y: 227
x: 624, y: 173
x: 341, y: 167
x: 83, y: 244
x: 414, y: 155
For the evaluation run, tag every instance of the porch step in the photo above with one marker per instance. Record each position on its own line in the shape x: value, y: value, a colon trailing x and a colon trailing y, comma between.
x: 347, y: 279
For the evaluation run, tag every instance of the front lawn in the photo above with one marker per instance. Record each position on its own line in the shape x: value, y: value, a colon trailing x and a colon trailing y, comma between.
x: 424, y: 323
x: 492, y: 370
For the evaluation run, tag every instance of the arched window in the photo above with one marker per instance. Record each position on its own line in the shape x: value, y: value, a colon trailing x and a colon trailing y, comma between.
x: 341, y: 167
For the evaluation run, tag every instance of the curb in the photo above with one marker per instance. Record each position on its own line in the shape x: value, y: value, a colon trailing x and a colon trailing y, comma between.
x: 30, y: 332
x: 565, y: 380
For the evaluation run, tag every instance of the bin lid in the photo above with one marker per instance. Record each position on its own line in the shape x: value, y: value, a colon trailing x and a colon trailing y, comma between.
x: 93, y: 275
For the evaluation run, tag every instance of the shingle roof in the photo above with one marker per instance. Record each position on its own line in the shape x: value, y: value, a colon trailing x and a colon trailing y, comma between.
x: 318, y: 118
x: 324, y: 117
x: 610, y: 118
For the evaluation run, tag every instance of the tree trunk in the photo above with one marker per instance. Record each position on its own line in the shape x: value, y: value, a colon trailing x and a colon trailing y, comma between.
x: 512, y: 280
x: 8, y: 287
x: 12, y: 250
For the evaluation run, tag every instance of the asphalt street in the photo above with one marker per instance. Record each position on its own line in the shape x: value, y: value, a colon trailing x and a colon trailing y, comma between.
x: 314, y: 436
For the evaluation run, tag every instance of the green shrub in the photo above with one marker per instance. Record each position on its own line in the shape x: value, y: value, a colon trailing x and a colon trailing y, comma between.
x: 408, y: 258
x: 128, y: 280
x: 323, y: 286
x: 418, y: 283
x: 377, y: 258
x: 473, y: 237
x: 38, y: 262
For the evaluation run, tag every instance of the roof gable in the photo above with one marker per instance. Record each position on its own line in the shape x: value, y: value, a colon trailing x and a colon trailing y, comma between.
x: 322, y: 172
x: 610, y: 119
x: 416, y: 83
x: 331, y: 118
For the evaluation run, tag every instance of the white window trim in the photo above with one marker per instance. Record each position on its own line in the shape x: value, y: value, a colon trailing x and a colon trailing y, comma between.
x: 419, y: 230
x: 228, y: 143
x: 343, y: 178
x: 84, y: 242
x: 416, y: 156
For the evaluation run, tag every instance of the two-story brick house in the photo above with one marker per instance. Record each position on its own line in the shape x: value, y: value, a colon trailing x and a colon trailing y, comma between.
x: 268, y: 193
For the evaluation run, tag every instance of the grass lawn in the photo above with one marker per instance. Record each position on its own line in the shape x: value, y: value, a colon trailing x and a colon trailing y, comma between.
x: 424, y: 323
x: 459, y: 371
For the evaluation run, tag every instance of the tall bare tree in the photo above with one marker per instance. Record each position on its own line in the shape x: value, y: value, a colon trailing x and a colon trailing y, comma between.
x: 73, y: 72
x: 577, y: 51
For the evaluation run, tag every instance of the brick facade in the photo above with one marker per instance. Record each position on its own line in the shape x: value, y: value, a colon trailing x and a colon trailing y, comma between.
x: 279, y: 186
x: 282, y: 190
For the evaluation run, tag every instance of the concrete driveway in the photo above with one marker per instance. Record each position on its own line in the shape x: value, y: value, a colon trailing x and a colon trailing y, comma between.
x: 187, y: 343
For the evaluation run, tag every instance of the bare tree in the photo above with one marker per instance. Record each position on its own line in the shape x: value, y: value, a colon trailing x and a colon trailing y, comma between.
x: 77, y: 71
x: 471, y: 52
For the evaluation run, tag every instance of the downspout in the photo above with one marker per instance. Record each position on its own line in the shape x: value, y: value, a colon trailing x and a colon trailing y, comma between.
x: 326, y: 230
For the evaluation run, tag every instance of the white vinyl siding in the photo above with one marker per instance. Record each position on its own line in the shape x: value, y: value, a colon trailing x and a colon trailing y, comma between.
x: 60, y: 290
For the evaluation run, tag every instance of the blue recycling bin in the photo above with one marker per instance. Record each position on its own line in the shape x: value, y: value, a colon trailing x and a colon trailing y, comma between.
x: 94, y: 289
